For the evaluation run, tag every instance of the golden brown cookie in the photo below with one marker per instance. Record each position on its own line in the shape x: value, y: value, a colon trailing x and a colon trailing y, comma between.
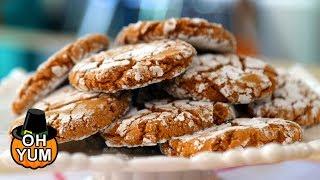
x: 76, y: 115
x: 242, y: 132
x: 224, y: 78
x: 293, y: 100
x: 54, y: 71
x: 161, y: 120
x: 200, y: 33
x: 132, y: 66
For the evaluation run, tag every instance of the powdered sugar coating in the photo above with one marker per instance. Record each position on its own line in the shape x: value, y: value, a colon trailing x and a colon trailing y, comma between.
x: 292, y: 100
x: 132, y: 66
x: 236, y: 123
x: 59, y: 71
x: 164, y: 119
x: 196, y: 31
x: 226, y: 78
x: 169, y: 25
x: 62, y: 97
x: 242, y: 132
x: 75, y: 114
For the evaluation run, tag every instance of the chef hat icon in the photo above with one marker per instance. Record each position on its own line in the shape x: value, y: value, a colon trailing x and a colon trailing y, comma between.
x: 34, y: 123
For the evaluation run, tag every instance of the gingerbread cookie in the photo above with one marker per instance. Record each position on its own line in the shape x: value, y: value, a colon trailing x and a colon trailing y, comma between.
x: 242, y: 132
x: 76, y: 115
x: 54, y: 71
x: 293, y: 100
x: 132, y: 66
x: 224, y: 78
x: 161, y: 120
x: 202, y: 34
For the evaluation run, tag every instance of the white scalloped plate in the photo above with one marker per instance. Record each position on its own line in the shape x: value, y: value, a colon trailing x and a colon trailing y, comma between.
x: 269, y: 153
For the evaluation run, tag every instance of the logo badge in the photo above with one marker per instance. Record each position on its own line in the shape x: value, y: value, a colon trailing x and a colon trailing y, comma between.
x: 33, y: 144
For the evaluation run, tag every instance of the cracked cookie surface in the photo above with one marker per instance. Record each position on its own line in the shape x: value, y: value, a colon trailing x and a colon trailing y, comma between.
x: 200, y: 33
x: 54, y: 71
x: 224, y: 78
x: 292, y: 100
x: 239, y: 133
x: 161, y: 120
x: 132, y: 66
x: 76, y: 115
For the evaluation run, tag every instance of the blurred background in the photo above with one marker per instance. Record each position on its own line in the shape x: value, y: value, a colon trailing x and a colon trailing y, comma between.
x: 282, y: 31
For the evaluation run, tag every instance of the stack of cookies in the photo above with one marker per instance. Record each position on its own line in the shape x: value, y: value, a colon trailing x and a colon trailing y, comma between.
x: 154, y: 89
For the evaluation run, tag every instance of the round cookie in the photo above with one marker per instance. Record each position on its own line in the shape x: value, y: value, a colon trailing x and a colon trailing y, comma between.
x: 76, y: 115
x: 293, y: 100
x: 240, y: 133
x: 200, y: 33
x: 162, y: 120
x: 224, y: 78
x: 132, y: 66
x: 54, y: 71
